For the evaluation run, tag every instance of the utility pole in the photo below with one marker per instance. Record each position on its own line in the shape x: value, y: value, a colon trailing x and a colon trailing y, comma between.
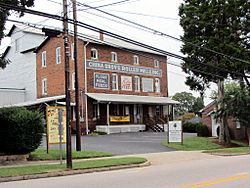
x: 67, y: 89
x: 78, y: 129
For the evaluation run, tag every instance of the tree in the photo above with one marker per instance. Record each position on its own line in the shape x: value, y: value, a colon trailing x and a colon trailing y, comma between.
x: 236, y: 103
x: 4, y: 13
x: 216, y: 36
x: 188, y: 103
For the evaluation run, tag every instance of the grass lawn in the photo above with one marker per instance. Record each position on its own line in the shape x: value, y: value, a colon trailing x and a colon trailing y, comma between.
x: 38, y: 169
x: 230, y: 151
x: 54, y: 154
x: 194, y: 143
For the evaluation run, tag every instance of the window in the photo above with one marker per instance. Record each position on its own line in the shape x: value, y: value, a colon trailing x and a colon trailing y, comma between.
x: 44, y: 59
x: 73, y: 81
x: 137, y: 84
x: 72, y: 51
x: 16, y: 45
x: 136, y: 60
x: 114, y: 81
x: 156, y: 63
x: 114, y: 56
x: 58, y: 55
x: 157, y: 85
x: 44, y: 86
x: 94, y: 53
x: 147, y: 84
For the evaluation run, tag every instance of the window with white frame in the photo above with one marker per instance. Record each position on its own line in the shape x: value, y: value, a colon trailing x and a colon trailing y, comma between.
x: 114, y: 81
x: 58, y: 55
x: 156, y: 63
x: 157, y: 85
x: 73, y: 81
x: 114, y: 56
x: 44, y: 86
x: 94, y: 53
x: 136, y: 60
x: 72, y: 51
x: 44, y: 59
x: 137, y: 84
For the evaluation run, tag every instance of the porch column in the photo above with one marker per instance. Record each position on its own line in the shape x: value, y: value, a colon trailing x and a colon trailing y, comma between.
x: 135, y: 115
x: 108, y: 123
x: 98, y: 111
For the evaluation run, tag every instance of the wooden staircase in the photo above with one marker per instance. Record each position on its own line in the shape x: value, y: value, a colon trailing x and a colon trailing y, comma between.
x: 154, y: 125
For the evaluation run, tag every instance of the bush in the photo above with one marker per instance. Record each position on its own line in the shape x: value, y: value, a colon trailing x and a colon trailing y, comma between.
x: 202, y: 130
x: 189, y: 127
x: 20, y: 130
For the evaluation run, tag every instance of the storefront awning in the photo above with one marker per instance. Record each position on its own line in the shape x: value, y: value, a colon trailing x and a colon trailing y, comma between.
x: 131, y: 99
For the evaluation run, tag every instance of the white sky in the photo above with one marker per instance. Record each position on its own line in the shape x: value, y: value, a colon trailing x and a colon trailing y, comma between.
x: 165, y: 8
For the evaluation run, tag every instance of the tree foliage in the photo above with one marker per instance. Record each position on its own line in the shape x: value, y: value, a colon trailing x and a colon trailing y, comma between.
x: 4, y: 13
x: 188, y: 103
x: 222, y: 26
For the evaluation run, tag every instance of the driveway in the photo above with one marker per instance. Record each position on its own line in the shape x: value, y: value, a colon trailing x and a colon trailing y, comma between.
x: 126, y: 143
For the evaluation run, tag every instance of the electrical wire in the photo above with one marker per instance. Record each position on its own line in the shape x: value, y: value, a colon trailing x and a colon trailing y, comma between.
x: 163, y: 34
x: 90, y: 27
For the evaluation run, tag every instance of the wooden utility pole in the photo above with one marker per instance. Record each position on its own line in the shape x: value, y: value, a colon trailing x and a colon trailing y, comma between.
x: 67, y: 89
x: 78, y: 128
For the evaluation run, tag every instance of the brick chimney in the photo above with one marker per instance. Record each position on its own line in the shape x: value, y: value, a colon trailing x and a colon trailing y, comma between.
x: 101, y: 36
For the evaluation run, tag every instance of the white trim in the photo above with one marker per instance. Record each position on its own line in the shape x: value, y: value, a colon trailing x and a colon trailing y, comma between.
x: 58, y: 55
x: 44, y: 63
x: 116, y: 82
x: 156, y: 63
x: 136, y: 60
x: 114, y: 57
x: 44, y: 86
x: 95, y: 53
x: 137, y: 82
x: 157, y: 85
x: 73, y: 81
x: 72, y: 51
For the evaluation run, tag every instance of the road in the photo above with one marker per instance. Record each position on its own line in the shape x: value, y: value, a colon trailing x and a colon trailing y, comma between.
x: 168, y: 170
x: 125, y: 143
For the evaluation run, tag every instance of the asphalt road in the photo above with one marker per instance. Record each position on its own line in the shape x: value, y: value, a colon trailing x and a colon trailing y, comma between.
x: 168, y: 170
x: 125, y: 143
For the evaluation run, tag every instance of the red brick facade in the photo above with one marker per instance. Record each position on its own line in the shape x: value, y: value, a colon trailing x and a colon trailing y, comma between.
x: 54, y: 73
x: 235, y: 133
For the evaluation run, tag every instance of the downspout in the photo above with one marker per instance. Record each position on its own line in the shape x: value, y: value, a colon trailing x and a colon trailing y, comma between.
x: 86, y: 89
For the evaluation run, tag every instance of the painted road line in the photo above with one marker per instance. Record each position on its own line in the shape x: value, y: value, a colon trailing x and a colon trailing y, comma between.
x: 217, y: 181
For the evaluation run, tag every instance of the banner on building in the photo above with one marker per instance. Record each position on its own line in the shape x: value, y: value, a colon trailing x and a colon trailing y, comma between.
x: 126, y: 83
x: 53, y: 128
x: 119, y: 118
x: 101, y: 81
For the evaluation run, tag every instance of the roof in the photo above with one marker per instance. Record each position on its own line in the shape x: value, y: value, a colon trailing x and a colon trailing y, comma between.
x: 208, y: 106
x: 107, y: 41
x: 130, y: 99
x: 5, y: 52
x: 38, y: 101
x: 25, y: 28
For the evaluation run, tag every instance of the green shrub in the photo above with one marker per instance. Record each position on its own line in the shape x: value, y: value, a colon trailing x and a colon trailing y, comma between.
x: 202, y: 130
x: 20, y: 130
x: 189, y: 127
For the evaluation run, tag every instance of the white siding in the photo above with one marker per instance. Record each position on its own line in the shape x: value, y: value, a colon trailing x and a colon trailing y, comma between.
x: 21, y: 72
x: 9, y: 96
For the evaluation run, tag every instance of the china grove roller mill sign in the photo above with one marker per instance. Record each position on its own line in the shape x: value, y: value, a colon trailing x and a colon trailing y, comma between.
x: 175, y: 133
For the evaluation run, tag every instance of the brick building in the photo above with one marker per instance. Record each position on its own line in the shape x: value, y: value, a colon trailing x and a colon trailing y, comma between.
x: 236, y: 130
x: 125, y: 89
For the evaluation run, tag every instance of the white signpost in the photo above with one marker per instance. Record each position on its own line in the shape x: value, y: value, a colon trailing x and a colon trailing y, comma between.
x: 175, y: 133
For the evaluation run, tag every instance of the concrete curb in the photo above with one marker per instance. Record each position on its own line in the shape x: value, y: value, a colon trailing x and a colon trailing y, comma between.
x: 72, y: 172
x: 228, y: 155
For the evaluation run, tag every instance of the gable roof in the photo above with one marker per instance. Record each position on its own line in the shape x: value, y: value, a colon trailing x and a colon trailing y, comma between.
x: 25, y: 28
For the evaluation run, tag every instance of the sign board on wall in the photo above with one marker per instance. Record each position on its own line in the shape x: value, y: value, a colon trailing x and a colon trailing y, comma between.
x: 126, y: 83
x: 101, y: 81
x: 175, y: 131
x: 53, y: 124
x: 119, y: 118
x: 147, y: 85
x: 114, y: 67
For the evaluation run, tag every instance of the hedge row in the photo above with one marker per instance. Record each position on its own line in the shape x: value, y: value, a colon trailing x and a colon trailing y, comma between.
x: 198, y: 128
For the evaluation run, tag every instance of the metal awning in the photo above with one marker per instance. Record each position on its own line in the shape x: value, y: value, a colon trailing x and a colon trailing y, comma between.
x: 38, y: 101
x: 130, y: 99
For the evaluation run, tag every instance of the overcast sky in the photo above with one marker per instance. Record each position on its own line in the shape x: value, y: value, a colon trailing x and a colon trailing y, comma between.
x: 166, y: 22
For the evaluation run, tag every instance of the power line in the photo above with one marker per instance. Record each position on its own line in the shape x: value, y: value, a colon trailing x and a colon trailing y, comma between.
x: 163, y: 34
x: 90, y: 27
